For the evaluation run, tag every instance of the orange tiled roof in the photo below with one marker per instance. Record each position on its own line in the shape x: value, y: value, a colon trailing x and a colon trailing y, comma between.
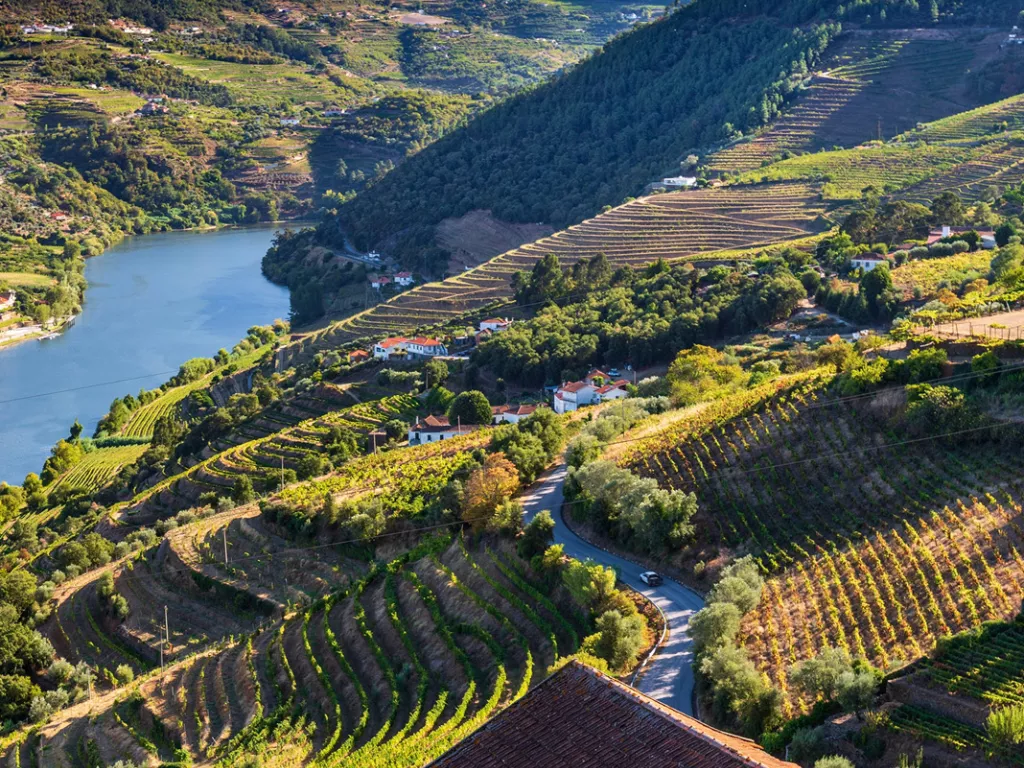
x: 578, y: 716
x: 393, y: 341
x: 573, y: 386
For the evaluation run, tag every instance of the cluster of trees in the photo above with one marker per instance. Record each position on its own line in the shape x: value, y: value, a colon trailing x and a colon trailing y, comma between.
x: 24, y: 653
x: 632, y: 510
x: 609, y: 423
x: 271, y: 40
x: 739, y: 693
x: 590, y: 138
x: 640, y: 318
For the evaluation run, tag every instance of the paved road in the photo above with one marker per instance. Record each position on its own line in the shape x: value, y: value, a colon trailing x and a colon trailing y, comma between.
x: 669, y: 679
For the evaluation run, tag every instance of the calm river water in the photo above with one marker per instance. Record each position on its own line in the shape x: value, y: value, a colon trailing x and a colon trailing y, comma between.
x: 153, y: 302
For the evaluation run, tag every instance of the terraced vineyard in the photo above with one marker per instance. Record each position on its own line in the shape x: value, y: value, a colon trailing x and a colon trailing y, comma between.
x: 948, y: 699
x: 877, y: 551
x: 98, y: 467
x: 872, y: 83
x: 974, y: 124
x: 674, y: 226
x: 261, y: 449
x: 392, y: 669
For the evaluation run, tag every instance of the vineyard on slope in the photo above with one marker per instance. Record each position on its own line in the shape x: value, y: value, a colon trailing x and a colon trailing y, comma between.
x: 880, y: 552
x: 673, y: 226
x: 402, y: 662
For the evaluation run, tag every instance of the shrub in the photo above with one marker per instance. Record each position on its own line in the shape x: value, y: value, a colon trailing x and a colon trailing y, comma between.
x: 715, y: 625
x: 470, y: 407
x: 834, y: 761
x: 124, y: 674
x: 1006, y: 726
x: 807, y: 745
x: 820, y: 676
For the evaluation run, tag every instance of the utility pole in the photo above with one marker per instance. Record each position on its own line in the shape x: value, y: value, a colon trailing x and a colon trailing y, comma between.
x: 282, y: 485
x: 224, y: 531
x: 167, y: 632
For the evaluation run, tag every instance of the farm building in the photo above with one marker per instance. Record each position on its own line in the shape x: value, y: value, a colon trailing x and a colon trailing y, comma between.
x: 988, y: 236
x: 380, y: 281
x: 358, y: 356
x: 571, y: 396
x: 680, y: 182
x: 418, y: 347
x: 511, y: 414
x: 435, y: 428
x: 578, y: 716
x: 7, y: 299
x: 868, y: 261
x: 495, y: 324
x: 613, y: 391
x: 404, y: 278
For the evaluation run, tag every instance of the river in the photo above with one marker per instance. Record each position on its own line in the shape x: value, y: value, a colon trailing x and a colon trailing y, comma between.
x: 153, y: 302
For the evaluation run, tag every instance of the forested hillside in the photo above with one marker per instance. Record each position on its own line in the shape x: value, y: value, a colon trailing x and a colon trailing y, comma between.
x: 708, y: 73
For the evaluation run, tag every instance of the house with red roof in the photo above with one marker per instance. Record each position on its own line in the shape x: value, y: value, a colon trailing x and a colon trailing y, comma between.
x: 988, y: 236
x: 868, y: 261
x: 573, y: 395
x: 495, y: 324
x: 404, y: 279
x: 613, y: 390
x: 358, y: 356
x: 379, y: 281
x: 419, y: 347
x: 580, y: 717
x: 511, y: 414
x: 433, y: 429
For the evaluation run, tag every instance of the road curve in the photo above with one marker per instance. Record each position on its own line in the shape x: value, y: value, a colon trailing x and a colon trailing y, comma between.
x: 669, y: 678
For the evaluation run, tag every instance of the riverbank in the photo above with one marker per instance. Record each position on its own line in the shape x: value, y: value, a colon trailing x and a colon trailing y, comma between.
x: 13, y: 336
x: 154, y: 301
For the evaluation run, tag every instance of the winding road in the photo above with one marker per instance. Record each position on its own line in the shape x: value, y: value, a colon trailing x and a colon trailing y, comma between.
x: 669, y: 677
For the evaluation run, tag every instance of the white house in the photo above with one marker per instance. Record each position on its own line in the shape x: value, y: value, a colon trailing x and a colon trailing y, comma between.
x: 571, y: 396
x: 614, y: 391
x: 868, y: 261
x: 424, y: 347
x: 495, y: 324
x: 290, y: 122
x: 680, y: 182
x: 404, y: 278
x: 379, y: 282
x: 988, y: 236
x: 434, y: 429
x: 7, y: 300
x: 384, y: 349
x: 511, y: 414
x: 417, y: 347
x: 334, y: 112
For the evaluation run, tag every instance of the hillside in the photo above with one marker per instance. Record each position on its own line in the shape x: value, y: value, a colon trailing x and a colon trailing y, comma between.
x: 564, y: 150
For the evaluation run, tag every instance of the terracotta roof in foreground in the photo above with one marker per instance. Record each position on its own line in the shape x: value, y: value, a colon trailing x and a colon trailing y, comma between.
x: 579, y: 717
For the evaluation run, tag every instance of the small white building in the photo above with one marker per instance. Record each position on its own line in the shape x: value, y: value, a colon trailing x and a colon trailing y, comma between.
x: 290, y: 122
x: 419, y: 347
x: 570, y: 397
x: 378, y: 282
x: 404, y: 278
x: 495, y: 324
x: 433, y: 429
x: 868, y: 262
x: 511, y: 414
x: 680, y: 182
x: 613, y: 391
x: 334, y: 112
x: 7, y: 299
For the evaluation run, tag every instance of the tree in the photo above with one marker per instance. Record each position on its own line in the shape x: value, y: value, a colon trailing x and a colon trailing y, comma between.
x: 590, y: 584
x: 715, y: 625
x: 876, y: 287
x: 820, y: 676
x: 242, y: 491
x: 855, y: 690
x: 19, y: 589
x: 435, y: 373
x: 537, y: 536
x: 1007, y: 263
x: 470, y: 407
x: 16, y: 694
x: 487, y: 488
x: 621, y: 639
x: 545, y: 282
x: 76, y: 431
x: 948, y: 209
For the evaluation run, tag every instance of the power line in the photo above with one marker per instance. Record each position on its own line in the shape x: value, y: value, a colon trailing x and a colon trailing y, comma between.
x: 86, y: 386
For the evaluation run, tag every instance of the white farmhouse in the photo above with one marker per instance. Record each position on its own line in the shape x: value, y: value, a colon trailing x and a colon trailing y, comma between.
x: 418, y: 347
x: 404, y: 278
x: 868, y: 261
x: 569, y: 397
x: 680, y: 182
x: 433, y: 429
x: 7, y: 299
x: 511, y: 414
x: 495, y: 324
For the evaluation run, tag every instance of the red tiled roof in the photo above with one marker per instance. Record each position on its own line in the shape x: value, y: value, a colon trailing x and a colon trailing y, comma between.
x: 498, y: 321
x: 578, y: 716
x: 403, y: 274
x: 514, y: 410
x: 358, y: 354
x: 423, y: 341
x: 609, y: 387
x: 573, y: 386
x: 393, y: 341
x: 597, y: 372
